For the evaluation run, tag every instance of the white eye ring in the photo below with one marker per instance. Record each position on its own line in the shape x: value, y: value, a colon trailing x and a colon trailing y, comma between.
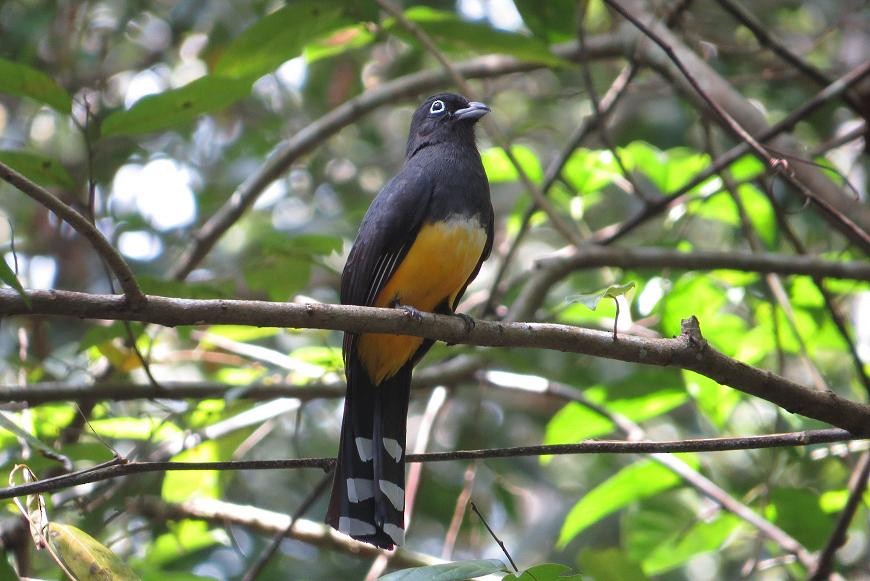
x: 437, y: 107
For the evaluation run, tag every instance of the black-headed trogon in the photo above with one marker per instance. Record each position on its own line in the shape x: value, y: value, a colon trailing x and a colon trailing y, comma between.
x: 420, y: 244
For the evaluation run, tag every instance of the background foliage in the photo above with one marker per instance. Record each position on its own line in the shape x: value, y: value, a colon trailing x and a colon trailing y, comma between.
x: 147, y: 116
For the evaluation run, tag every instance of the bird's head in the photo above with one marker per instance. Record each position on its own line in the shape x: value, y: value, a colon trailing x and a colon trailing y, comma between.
x: 444, y: 117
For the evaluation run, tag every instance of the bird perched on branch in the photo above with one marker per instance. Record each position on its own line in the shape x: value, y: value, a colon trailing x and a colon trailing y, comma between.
x: 421, y: 242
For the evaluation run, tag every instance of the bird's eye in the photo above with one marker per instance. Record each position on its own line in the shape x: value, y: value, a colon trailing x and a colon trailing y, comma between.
x: 437, y: 107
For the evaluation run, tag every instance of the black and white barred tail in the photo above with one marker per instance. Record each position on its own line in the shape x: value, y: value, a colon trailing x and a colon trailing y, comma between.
x: 368, y: 492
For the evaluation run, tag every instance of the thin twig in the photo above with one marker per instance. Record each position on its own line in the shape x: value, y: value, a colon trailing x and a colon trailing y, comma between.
x: 838, y: 536
x: 113, y: 470
x: 83, y: 226
x: 494, y: 536
x: 762, y: 34
x: 611, y: 234
x: 257, y: 567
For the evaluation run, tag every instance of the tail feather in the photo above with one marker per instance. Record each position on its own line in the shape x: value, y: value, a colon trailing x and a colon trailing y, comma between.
x: 368, y: 493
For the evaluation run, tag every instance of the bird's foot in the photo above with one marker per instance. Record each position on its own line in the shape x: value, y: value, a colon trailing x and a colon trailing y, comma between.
x: 467, y: 322
x: 411, y: 312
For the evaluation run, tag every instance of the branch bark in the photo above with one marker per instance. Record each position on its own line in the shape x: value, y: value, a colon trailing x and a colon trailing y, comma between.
x: 688, y: 351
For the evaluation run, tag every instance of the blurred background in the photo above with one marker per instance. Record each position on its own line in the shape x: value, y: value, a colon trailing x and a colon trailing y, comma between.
x: 147, y: 116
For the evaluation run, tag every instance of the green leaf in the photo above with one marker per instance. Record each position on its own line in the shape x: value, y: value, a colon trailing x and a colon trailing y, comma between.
x: 760, y: 213
x: 185, y: 537
x: 7, y: 276
x: 575, y: 422
x: 452, y: 33
x: 610, y: 565
x: 86, y: 557
x: 176, y: 107
x: 339, y: 42
x: 458, y: 571
x: 99, y: 334
x: 715, y: 401
x: 135, y: 428
x: 499, y: 168
x: 637, y: 481
x: 546, y: 572
x: 668, y: 170
x: 38, y: 168
x: 698, y: 294
x: 591, y: 300
x: 551, y: 21
x: 281, y: 36
x: 799, y: 513
x: 589, y: 170
x: 7, y: 423
x: 24, y: 81
x: 682, y: 545
x: 181, y: 485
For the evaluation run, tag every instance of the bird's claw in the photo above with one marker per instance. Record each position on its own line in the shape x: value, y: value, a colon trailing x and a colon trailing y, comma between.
x: 467, y: 322
x: 411, y: 312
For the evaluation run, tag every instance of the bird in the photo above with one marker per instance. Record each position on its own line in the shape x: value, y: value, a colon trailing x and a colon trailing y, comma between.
x: 420, y: 244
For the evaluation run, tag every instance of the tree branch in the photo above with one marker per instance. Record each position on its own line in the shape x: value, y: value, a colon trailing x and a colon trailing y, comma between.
x: 688, y: 351
x: 118, y: 469
x: 267, y: 522
x: 83, y: 226
x: 348, y: 113
x: 848, y: 215
x: 646, y: 258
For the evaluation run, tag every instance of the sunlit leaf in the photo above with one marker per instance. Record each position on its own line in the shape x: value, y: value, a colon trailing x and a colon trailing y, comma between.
x: 135, y: 428
x: 591, y: 300
x: 10, y: 425
x: 576, y: 422
x: 86, y: 557
x: 184, y: 538
x: 716, y: 401
x: 283, y: 34
x: 669, y: 170
x: 176, y: 107
x: 798, y: 512
x: 458, y: 571
x: 24, y: 81
x: 589, y: 170
x: 39, y: 168
x: 181, y: 485
x: 499, y: 168
x: 637, y: 481
x: 452, y: 33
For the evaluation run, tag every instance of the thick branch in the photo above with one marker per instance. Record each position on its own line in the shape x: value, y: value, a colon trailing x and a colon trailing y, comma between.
x: 658, y: 258
x: 688, y: 351
x: 80, y: 224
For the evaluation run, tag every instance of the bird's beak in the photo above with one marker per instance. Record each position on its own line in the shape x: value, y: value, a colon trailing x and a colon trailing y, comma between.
x: 474, y: 111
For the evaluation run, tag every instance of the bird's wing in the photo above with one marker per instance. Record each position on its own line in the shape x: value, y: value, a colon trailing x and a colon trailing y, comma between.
x: 387, y: 232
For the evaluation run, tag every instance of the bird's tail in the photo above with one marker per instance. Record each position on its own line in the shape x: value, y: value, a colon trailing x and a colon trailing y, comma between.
x: 368, y: 493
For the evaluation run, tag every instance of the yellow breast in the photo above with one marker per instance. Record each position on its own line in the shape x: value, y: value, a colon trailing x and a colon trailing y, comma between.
x: 435, y: 269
